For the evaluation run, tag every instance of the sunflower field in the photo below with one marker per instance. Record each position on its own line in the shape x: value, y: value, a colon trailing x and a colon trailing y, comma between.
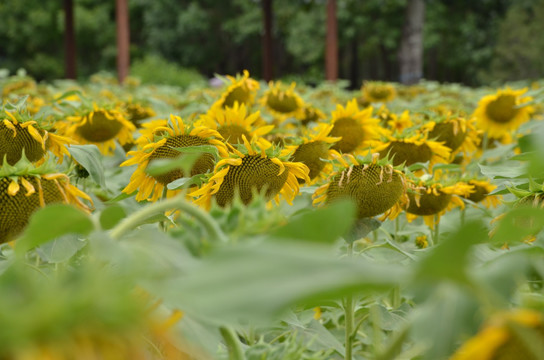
x: 271, y: 221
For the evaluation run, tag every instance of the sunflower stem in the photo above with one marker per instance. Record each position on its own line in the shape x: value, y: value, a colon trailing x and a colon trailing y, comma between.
x: 485, y: 144
x: 348, y: 315
x: 233, y: 343
x: 178, y: 202
x: 436, y: 231
x: 396, y: 229
x: 162, y: 223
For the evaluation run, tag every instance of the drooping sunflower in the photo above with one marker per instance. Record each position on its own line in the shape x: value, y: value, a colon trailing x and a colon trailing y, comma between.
x: 283, y: 102
x: 410, y: 148
x: 159, y: 142
x: 376, y: 186
x: 501, y: 338
x: 81, y: 322
x: 99, y: 126
x: 20, y: 85
x: 249, y: 170
x: 310, y: 114
x: 377, y: 91
x: 455, y: 132
x: 313, y: 149
x: 503, y: 112
x: 355, y: 127
x: 235, y: 121
x: 481, y: 193
x: 25, y: 188
x: 432, y: 199
x: 241, y: 90
x: 137, y: 111
x: 19, y: 133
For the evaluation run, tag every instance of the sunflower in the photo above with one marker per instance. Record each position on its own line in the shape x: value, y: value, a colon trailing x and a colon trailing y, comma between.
x: 283, y: 103
x: 503, y: 112
x: 434, y: 199
x: 99, y: 126
x: 19, y: 85
x: 376, y: 186
x: 412, y: 149
x: 502, y: 339
x: 253, y: 170
x: 482, y: 189
x: 90, y: 315
x: 313, y: 150
x: 158, y: 141
x: 20, y: 133
x: 455, y: 132
x: 310, y: 114
x: 399, y: 123
x: 25, y: 188
x: 136, y: 112
x: 233, y: 122
x: 356, y: 127
x: 241, y: 90
x: 377, y: 91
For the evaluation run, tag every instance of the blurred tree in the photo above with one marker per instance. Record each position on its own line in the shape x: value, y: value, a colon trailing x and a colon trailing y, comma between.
x: 123, y: 39
x: 69, y: 40
x: 520, y: 46
x: 268, y: 66
x: 411, y: 45
x: 331, y: 58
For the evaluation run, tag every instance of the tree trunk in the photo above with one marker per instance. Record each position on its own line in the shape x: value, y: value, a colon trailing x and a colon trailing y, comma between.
x: 355, y: 78
x: 123, y: 40
x: 69, y: 40
x: 411, y: 47
x: 268, y: 67
x: 331, y: 49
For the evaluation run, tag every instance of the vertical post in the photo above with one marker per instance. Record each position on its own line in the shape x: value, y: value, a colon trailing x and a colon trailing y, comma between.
x: 411, y: 47
x: 69, y: 40
x: 123, y: 40
x: 331, y: 48
x: 268, y: 70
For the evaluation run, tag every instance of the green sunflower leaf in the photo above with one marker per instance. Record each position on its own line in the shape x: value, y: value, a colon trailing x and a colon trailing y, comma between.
x: 52, y: 222
x: 323, y: 225
x: 90, y: 158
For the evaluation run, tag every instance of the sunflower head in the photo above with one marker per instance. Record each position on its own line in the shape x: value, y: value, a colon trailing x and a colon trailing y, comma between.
x: 376, y: 91
x: 136, y: 112
x: 100, y: 126
x: 20, y: 133
x: 19, y: 85
x: 241, y: 90
x: 432, y: 198
x: 313, y: 149
x: 481, y: 193
x: 374, y: 186
x: 398, y: 123
x: 163, y: 139
x: 235, y: 122
x: 310, y: 114
x: 503, y: 112
x: 82, y: 323
x: 455, y: 132
x: 500, y: 338
x: 412, y: 149
x: 354, y: 126
x: 25, y: 188
x: 283, y: 102
x: 248, y: 170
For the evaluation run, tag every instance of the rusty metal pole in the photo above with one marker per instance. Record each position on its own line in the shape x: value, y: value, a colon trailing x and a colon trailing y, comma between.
x: 69, y: 40
x: 123, y: 40
x: 268, y: 67
x: 331, y: 48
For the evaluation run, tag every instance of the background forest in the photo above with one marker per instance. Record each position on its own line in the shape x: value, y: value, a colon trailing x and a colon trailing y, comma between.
x: 466, y: 41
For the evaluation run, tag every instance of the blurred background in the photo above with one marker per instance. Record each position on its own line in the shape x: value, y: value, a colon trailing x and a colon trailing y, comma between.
x: 473, y: 42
